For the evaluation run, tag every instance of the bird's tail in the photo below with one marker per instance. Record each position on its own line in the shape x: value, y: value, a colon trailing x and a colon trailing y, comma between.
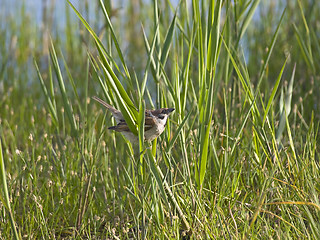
x: 105, y: 104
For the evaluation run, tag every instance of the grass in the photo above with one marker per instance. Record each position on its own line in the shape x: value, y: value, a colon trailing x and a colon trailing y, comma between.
x: 239, y: 158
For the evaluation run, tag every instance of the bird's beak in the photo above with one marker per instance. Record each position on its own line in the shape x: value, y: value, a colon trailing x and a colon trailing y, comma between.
x: 170, y: 110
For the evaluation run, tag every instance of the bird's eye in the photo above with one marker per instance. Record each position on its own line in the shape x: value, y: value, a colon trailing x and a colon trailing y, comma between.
x: 161, y: 116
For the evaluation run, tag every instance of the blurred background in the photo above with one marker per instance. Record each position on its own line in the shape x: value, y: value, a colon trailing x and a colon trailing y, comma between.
x: 27, y: 26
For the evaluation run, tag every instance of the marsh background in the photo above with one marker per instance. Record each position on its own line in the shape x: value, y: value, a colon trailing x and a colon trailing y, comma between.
x: 240, y: 154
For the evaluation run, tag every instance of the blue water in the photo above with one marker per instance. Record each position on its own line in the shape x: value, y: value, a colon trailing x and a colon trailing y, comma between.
x: 12, y: 10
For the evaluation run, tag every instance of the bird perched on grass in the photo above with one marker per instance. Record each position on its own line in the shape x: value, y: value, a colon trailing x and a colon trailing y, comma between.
x: 155, y: 122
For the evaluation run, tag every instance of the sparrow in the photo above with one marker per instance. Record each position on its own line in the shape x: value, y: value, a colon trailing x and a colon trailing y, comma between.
x: 155, y: 122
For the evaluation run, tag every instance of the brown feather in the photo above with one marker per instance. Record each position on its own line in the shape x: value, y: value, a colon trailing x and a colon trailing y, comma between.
x: 121, y: 127
x: 149, y: 121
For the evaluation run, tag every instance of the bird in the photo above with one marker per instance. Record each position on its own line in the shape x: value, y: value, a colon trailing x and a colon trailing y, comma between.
x: 155, y: 122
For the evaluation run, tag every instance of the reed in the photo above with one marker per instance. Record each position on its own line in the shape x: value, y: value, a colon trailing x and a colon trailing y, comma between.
x: 238, y: 158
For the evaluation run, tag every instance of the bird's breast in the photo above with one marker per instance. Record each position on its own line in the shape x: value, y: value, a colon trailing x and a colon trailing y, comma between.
x: 154, y: 132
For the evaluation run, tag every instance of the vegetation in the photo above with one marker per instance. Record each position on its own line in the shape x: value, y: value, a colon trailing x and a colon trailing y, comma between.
x: 239, y: 158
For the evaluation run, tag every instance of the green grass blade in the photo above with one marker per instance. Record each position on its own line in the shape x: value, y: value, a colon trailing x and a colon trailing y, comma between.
x: 286, y: 108
x: 304, y: 49
x: 163, y: 185
x: 168, y: 41
x: 150, y: 59
x: 74, y: 88
x: 66, y: 102
x: 248, y: 17
x: 307, y: 37
x: 141, y: 122
x: 290, y: 138
x: 245, y: 85
x: 273, y: 93
x: 127, y: 112
x: 126, y: 106
x: 114, y: 38
x: 290, y: 91
x: 205, y: 137
x: 242, y: 127
x: 177, y: 132
x: 270, y: 50
x: 6, y: 201
x: 204, y: 154
x: 52, y: 109
x: 186, y: 76
x: 115, y: 82
x: 214, y: 36
x: 106, y: 88
x: 158, y: 175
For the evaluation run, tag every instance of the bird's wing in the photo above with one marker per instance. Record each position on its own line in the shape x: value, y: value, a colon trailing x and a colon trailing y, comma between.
x: 149, y: 123
x: 121, y: 127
